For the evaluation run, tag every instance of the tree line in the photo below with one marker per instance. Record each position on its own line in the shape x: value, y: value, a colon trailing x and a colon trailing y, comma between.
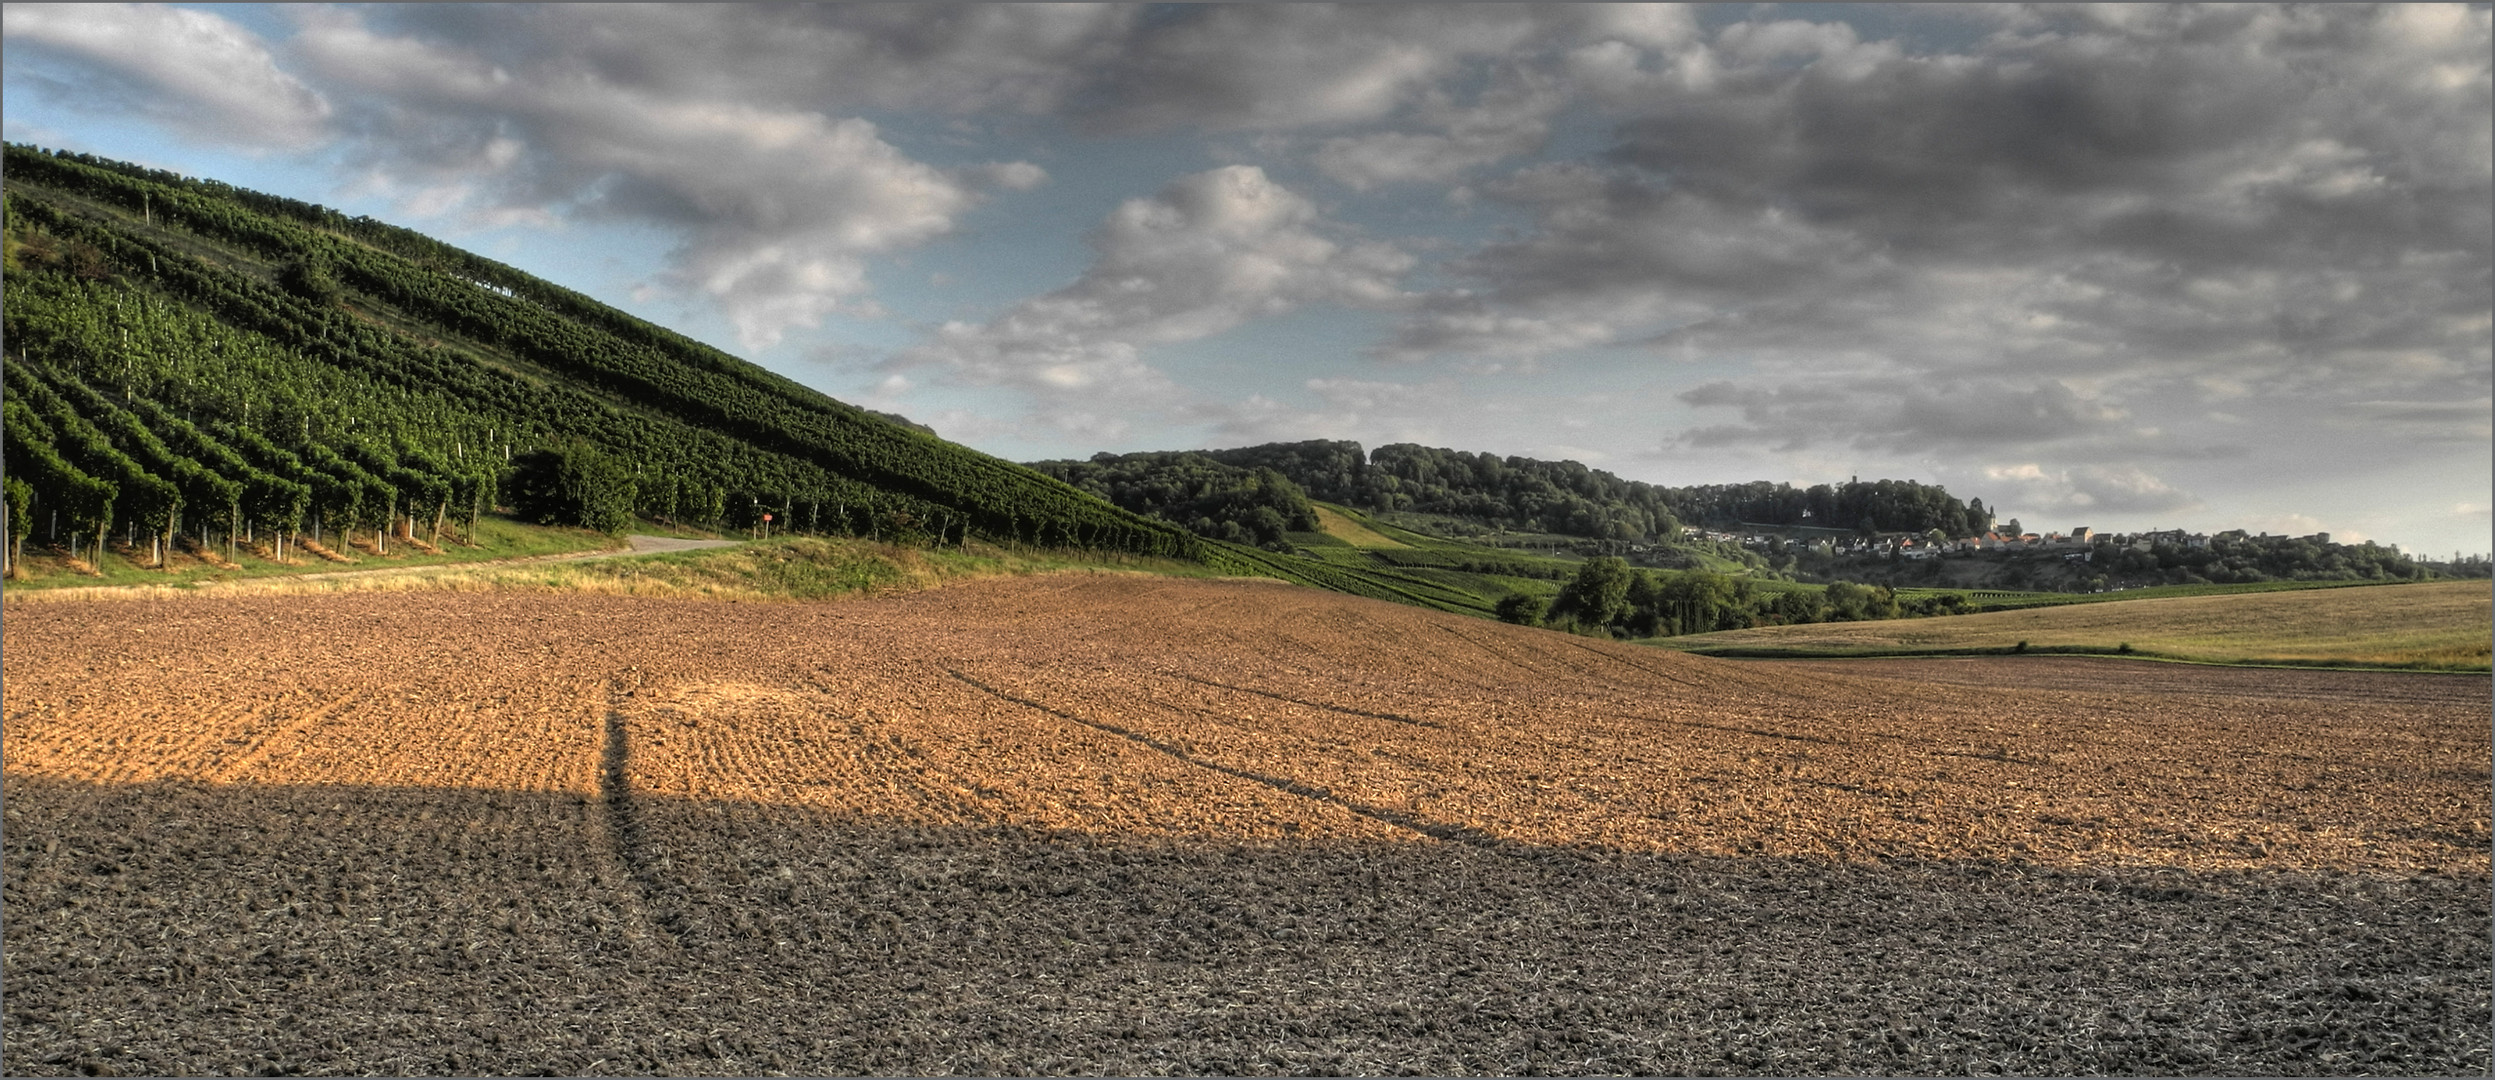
x: 1568, y: 498
x: 1608, y: 597
x: 1253, y: 506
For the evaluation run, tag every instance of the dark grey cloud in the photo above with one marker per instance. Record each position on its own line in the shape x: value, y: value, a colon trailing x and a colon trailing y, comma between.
x: 2075, y: 236
x: 953, y: 58
x: 1287, y: 66
x: 2134, y: 155
x: 1900, y: 414
x: 2461, y: 422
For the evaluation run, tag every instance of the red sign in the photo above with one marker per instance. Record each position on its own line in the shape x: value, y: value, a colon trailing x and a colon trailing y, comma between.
x: 766, y: 517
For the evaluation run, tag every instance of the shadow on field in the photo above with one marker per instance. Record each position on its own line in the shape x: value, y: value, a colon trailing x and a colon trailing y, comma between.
x: 185, y: 928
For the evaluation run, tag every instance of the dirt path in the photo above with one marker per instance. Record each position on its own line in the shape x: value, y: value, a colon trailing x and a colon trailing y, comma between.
x: 655, y: 545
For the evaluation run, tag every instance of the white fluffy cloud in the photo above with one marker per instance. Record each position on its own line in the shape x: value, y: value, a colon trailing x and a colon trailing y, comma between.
x: 199, y: 73
x: 2030, y: 489
x: 780, y: 208
x: 1379, y: 410
x: 1209, y: 252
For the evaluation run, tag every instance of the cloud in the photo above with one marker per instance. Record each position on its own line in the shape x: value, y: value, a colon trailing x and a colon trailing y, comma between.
x: 947, y: 58
x: 780, y: 208
x: 2423, y: 421
x: 201, y: 75
x: 1289, y: 66
x: 1509, y: 117
x: 2300, y: 525
x: 535, y: 114
x: 1462, y: 323
x: 2028, y: 489
x: 1900, y: 413
x: 1360, y: 409
x: 1209, y: 252
x: 2281, y: 196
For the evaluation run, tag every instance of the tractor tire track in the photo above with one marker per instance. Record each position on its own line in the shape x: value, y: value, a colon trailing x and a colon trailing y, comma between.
x: 267, y: 746
x: 1345, y: 710
x: 1436, y: 830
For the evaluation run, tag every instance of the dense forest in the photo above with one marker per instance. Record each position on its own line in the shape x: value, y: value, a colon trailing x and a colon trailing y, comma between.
x: 1225, y: 502
x: 1528, y: 495
x: 1875, y: 506
x: 186, y: 358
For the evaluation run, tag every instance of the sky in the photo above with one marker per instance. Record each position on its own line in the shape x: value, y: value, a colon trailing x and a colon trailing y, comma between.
x: 2126, y: 267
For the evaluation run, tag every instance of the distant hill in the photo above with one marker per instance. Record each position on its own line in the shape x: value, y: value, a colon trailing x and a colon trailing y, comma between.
x: 185, y: 355
x: 1486, y: 492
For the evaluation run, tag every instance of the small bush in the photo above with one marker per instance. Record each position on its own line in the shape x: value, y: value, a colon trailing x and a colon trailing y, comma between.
x: 1523, y: 609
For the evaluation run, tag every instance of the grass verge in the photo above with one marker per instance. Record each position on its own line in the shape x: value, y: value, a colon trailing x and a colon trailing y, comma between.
x: 785, y: 569
x: 497, y: 539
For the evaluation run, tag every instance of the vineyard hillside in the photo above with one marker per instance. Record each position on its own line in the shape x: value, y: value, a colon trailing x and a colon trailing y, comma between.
x: 189, y: 362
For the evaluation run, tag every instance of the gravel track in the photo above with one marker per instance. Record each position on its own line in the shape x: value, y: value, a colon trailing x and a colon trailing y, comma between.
x: 1111, y: 823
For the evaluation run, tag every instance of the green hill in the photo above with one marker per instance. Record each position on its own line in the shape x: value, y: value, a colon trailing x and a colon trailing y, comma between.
x: 187, y: 358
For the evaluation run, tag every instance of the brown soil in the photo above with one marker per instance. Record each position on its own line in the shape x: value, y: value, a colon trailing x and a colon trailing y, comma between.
x: 1090, y: 823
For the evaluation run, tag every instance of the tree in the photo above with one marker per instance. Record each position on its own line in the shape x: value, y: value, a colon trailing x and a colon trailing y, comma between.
x: 1697, y: 601
x: 1979, y: 520
x: 1523, y: 609
x: 1799, y: 607
x: 20, y: 508
x: 574, y: 485
x: 1849, y: 601
x: 1597, y: 598
x: 310, y: 279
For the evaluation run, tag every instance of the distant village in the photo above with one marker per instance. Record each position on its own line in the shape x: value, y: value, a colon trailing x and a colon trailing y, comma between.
x: 2075, y: 545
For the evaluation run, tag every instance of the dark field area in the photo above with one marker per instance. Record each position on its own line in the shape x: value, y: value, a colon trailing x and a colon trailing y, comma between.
x: 1117, y: 824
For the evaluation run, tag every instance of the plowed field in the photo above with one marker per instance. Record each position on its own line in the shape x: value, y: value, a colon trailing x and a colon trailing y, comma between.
x: 1093, y: 823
